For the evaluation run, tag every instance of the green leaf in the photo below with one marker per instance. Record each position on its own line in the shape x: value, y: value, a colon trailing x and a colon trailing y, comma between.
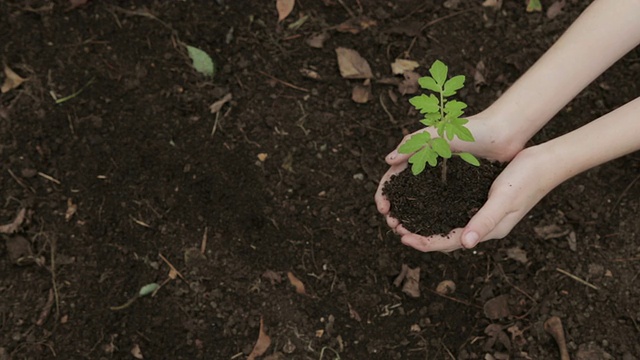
x: 201, y: 61
x: 463, y: 133
x: 459, y: 121
x: 430, y: 119
x: 441, y: 146
x: 439, y: 72
x: 148, y: 289
x: 415, y: 143
x: 469, y: 158
x: 441, y: 126
x: 418, y: 161
x: 454, y: 108
x: 427, y: 82
x: 425, y: 104
x: 534, y: 5
x: 450, y: 131
x: 452, y: 85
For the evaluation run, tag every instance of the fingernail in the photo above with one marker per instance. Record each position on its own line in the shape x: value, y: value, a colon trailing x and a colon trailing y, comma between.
x: 471, y: 239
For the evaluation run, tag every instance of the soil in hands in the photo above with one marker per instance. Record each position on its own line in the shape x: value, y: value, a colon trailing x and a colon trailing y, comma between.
x: 427, y: 206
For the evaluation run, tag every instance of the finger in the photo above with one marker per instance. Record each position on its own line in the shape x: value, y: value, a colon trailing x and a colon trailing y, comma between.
x: 446, y: 243
x: 401, y: 230
x: 393, y: 222
x: 484, y: 222
x: 396, y: 158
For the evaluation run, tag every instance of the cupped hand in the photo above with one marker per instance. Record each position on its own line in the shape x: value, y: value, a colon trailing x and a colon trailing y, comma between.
x: 521, y: 185
x: 487, y: 145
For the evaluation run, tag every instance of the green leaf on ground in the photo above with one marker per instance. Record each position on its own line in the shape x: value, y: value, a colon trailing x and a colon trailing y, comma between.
x: 534, y: 5
x: 148, y: 289
x: 201, y: 61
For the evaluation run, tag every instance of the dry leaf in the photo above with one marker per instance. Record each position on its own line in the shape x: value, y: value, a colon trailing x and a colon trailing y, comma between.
x: 71, y: 209
x: 451, y: 4
x: 11, y: 81
x: 497, y: 308
x: 517, y: 254
x: 262, y: 157
x: 352, y: 65
x: 311, y: 74
x: 555, y: 9
x: 284, y: 8
x: 446, y: 287
x: 296, y: 283
x: 361, y: 93
x: 13, y: 226
x: 216, y: 106
x: 552, y: 231
x: 411, y: 285
x: 400, y: 278
x: 410, y: 83
x: 76, y: 3
x: 317, y: 40
x: 400, y: 66
x: 496, y: 4
x: 263, y: 343
x: 136, y: 352
x: 272, y: 276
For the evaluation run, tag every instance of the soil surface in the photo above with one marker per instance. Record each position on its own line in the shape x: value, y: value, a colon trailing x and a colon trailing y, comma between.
x: 130, y: 179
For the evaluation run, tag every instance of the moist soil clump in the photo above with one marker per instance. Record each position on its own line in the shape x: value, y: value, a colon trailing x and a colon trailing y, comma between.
x: 426, y: 205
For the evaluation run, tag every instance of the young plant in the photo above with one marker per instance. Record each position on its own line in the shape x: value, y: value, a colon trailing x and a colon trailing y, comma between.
x: 445, y: 116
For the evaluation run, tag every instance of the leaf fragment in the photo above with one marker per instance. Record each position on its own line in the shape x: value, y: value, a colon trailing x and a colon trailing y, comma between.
x: 400, y: 66
x: 469, y: 158
x: 262, y: 344
x: 148, y: 289
x: 534, y: 5
x: 15, y: 224
x: 11, y: 81
x: 352, y: 65
x: 216, y: 106
x: 202, y: 62
x: 297, y: 284
x: 284, y: 8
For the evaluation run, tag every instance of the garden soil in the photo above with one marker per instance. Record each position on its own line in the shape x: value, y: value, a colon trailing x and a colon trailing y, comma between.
x: 257, y: 216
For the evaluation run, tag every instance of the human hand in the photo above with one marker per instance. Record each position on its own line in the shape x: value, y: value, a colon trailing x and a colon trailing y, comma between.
x: 514, y: 192
x: 489, y: 144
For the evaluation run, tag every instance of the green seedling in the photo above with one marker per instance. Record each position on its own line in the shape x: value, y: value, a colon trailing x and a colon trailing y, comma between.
x: 444, y: 115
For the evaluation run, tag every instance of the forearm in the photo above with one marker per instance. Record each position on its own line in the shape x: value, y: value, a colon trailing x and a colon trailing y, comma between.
x: 610, y: 136
x: 602, y: 34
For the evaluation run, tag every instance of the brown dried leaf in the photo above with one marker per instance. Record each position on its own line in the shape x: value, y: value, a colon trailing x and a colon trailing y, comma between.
x: 446, y: 287
x: 77, y: 3
x: 11, y: 81
x: 400, y: 278
x: 478, y: 75
x: 411, y: 285
x: 296, y: 283
x: 361, y: 94
x: 496, y: 4
x: 284, y: 8
x: 13, y: 226
x: 517, y: 254
x: 352, y: 65
x: 272, y: 276
x: 555, y: 9
x: 400, y: 66
x: 71, y: 209
x: 551, y: 231
x: 497, y: 308
x: 136, y: 352
x: 263, y: 343
x: 317, y: 40
x: 410, y: 83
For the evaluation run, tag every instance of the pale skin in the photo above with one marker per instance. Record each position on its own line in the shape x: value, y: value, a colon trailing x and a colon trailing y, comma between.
x: 602, y: 34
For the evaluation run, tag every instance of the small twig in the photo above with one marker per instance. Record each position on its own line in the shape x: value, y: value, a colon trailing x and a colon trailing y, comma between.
x: 215, y: 124
x: 347, y: 9
x: 584, y: 282
x: 171, y: 266
x: 67, y: 98
x: 17, y: 179
x: 384, y: 107
x: 49, y: 177
x: 447, y: 350
x: 203, y: 245
x: 283, y: 82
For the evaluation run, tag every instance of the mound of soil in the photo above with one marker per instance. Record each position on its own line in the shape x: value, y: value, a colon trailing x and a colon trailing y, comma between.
x: 426, y: 205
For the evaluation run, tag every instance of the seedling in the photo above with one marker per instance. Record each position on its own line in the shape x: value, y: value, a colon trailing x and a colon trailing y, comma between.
x: 445, y: 116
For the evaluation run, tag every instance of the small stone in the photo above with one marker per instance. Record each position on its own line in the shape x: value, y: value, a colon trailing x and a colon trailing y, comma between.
x: 359, y: 176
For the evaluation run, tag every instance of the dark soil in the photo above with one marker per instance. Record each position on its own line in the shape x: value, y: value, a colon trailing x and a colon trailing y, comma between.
x: 426, y: 205
x: 127, y: 173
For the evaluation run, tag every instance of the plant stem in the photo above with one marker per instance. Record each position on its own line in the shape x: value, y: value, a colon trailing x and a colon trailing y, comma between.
x: 443, y: 176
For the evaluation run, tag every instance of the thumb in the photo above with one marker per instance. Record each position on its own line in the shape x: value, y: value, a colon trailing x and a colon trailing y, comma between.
x: 395, y: 158
x: 483, y: 223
